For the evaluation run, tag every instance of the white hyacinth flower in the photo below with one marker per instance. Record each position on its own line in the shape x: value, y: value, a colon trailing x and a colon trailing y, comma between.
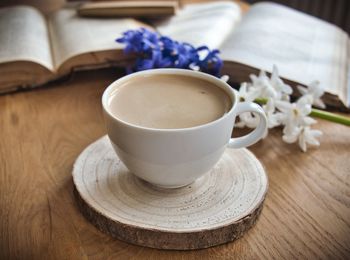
x: 273, y: 118
x: 275, y: 95
x: 283, y: 90
x: 295, y: 114
x: 308, y: 136
x: 315, y: 91
x: 297, y: 123
x: 263, y: 85
x: 272, y: 87
x: 247, y: 94
x: 247, y: 120
x: 305, y: 135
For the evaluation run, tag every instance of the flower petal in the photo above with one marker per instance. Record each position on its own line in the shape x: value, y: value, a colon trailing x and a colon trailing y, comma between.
x: 225, y: 78
x: 308, y: 121
x: 302, y: 143
x: 283, y: 106
x: 302, y: 90
x: 319, y: 103
x: 290, y: 138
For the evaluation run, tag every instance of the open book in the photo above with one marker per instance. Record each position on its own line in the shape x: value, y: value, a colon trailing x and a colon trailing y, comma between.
x: 303, y: 47
x: 35, y: 49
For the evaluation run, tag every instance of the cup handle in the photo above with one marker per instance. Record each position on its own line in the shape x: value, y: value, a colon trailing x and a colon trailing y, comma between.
x: 257, y: 133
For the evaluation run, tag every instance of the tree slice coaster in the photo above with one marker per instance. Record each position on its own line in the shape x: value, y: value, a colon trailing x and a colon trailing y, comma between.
x: 217, y: 208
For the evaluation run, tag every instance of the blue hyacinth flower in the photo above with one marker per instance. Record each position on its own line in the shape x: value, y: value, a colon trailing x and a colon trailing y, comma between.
x: 211, y: 63
x: 155, y: 51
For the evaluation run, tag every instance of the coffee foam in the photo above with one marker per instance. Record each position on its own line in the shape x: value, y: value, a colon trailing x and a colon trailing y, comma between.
x: 168, y: 101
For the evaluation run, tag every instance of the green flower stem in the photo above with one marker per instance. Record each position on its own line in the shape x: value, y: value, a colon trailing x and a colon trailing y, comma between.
x: 330, y: 116
x: 318, y: 113
x: 261, y: 101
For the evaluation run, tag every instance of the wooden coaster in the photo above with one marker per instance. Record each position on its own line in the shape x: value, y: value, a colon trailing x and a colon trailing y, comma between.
x: 215, y: 209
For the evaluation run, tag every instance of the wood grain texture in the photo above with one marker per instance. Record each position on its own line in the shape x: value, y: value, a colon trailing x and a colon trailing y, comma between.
x: 217, y: 208
x: 306, y: 212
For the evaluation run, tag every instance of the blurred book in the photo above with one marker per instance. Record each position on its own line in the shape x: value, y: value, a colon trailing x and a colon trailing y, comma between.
x: 45, y: 6
x: 36, y: 49
x: 128, y: 9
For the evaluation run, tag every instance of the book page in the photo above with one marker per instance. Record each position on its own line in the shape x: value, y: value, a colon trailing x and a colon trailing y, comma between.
x: 24, y: 36
x: 72, y: 35
x: 304, y: 48
x: 202, y: 24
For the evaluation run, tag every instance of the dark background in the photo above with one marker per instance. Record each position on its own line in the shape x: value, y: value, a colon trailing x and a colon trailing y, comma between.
x: 333, y: 11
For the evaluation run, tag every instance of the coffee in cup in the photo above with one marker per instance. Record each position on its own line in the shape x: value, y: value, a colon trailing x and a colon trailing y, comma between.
x: 168, y: 102
x: 171, y: 126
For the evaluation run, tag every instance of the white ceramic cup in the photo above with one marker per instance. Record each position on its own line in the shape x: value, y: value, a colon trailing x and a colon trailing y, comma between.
x: 173, y: 158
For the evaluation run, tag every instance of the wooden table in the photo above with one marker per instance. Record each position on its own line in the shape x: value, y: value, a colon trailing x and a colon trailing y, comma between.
x: 306, y: 212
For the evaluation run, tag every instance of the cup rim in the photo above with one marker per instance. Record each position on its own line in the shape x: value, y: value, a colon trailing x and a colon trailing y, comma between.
x: 197, y: 74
